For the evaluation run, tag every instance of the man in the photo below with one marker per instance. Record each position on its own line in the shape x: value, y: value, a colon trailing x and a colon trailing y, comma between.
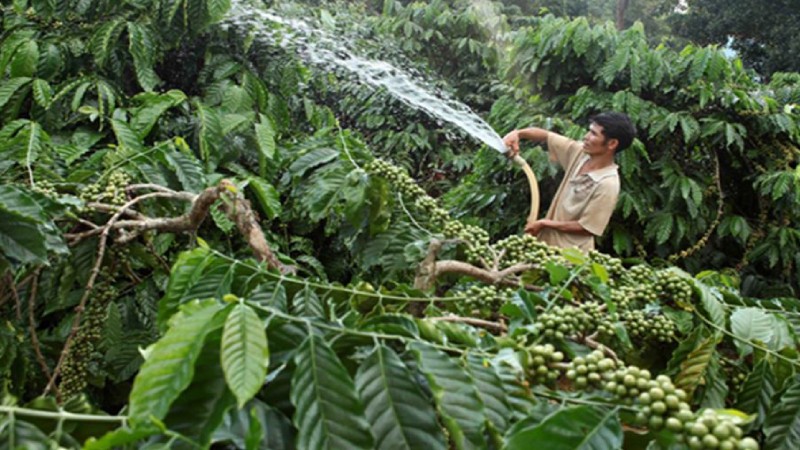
x: 588, y: 193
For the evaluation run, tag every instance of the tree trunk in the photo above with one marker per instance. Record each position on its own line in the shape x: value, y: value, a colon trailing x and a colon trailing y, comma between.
x: 622, y: 5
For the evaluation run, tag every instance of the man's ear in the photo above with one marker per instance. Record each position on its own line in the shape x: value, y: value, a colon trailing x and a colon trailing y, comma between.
x: 613, y: 144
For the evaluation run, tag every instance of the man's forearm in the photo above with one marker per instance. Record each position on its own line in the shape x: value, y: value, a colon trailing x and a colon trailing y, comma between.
x: 565, y: 227
x: 533, y: 134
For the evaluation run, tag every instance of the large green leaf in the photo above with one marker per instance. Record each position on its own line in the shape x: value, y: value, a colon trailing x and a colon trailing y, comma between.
x: 456, y: 397
x: 782, y: 426
x: 307, y: 303
x: 118, y: 438
x: 245, y: 355
x: 128, y: 143
x: 42, y: 93
x: 217, y: 9
x: 33, y: 144
x: 25, y: 60
x: 188, y: 170
x: 693, y: 368
x: 751, y: 325
x: 491, y: 392
x: 169, y: 368
x: 9, y: 87
x: 22, y: 233
x: 267, y: 196
x: 578, y: 427
x: 142, y: 47
x: 755, y: 395
x: 715, y: 389
x: 153, y: 106
x: 184, y: 274
x: 105, y: 38
x: 709, y: 298
x: 209, y: 131
x: 400, y: 415
x: 265, y: 136
x: 313, y: 159
x: 329, y: 414
x: 201, y: 407
x: 15, y: 201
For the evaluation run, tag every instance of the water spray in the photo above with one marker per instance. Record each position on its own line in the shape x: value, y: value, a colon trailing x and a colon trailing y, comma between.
x: 324, y: 50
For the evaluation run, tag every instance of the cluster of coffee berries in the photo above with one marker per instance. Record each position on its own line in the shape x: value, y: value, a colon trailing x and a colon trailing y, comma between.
x: 567, y: 321
x: 517, y: 249
x: 709, y: 430
x: 540, y: 357
x: 624, y: 297
x: 657, y: 327
x: 396, y: 176
x: 673, y: 288
x: 111, y: 192
x: 45, y: 188
x: 627, y: 383
x: 428, y: 205
x: 476, y: 239
x: 663, y: 405
x: 639, y: 275
x: 480, y: 299
x: 612, y: 265
x: 591, y: 370
x: 83, y: 349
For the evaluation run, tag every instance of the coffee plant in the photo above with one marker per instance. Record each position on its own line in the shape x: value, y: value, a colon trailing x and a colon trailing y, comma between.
x: 362, y: 281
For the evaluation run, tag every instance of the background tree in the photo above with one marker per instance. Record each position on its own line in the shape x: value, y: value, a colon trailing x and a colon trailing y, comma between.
x: 763, y: 33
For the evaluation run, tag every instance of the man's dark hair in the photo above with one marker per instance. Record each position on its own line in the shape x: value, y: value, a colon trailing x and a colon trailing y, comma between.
x: 616, y: 126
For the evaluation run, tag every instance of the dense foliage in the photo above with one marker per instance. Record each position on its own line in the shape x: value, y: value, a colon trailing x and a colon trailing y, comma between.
x: 762, y: 33
x: 206, y: 238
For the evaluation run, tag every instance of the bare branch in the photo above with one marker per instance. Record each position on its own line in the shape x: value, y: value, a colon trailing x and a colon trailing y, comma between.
x: 101, y: 249
x: 111, y: 209
x: 429, y: 269
x: 150, y: 186
x: 14, y: 294
x: 591, y: 343
x: 487, y: 276
x: 496, y: 326
x: 32, y: 323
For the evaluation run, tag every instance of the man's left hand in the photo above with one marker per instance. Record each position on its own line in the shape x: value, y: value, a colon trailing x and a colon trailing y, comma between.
x: 536, y: 227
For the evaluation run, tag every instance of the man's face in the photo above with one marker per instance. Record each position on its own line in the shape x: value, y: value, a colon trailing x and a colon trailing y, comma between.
x: 595, y: 142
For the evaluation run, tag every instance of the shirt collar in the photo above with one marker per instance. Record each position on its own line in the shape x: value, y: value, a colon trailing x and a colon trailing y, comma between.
x: 597, y: 175
x: 605, y: 172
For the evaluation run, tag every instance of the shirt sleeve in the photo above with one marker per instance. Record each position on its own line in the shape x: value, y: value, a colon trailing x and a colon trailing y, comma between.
x: 600, y: 207
x: 561, y: 149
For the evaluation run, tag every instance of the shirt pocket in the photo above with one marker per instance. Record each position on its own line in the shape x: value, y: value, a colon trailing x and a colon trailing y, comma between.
x: 580, y: 189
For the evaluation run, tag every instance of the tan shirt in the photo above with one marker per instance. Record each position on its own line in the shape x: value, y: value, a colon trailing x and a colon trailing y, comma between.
x: 588, y: 198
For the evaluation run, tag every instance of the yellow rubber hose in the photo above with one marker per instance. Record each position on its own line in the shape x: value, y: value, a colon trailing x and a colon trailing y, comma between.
x: 534, y: 185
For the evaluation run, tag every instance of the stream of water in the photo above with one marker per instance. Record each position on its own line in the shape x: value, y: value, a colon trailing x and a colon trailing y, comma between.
x: 322, y: 49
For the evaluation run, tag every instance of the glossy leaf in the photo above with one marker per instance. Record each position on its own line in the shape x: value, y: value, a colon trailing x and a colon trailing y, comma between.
x: 491, y: 392
x: 245, y: 355
x: 693, y: 368
x: 267, y: 196
x: 782, y: 426
x: 456, y: 396
x: 751, y: 325
x: 201, y: 407
x: 400, y: 415
x: 329, y: 414
x: 169, y: 368
x: 577, y: 427
x: 755, y: 395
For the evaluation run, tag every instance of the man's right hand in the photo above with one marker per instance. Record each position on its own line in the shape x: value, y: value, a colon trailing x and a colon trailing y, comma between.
x: 511, y: 141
